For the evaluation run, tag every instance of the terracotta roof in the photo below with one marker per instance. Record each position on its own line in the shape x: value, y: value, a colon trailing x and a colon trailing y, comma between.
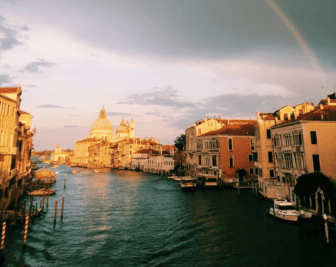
x: 168, y: 147
x: 328, y: 113
x: 237, y: 129
x: 4, y: 90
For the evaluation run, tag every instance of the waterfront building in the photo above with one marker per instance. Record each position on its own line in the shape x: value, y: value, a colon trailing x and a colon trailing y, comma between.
x: 59, y: 155
x: 302, y: 145
x: 121, y: 151
x: 223, y: 152
x: 16, y: 143
x: 264, y: 152
x: 201, y: 127
x: 101, y: 136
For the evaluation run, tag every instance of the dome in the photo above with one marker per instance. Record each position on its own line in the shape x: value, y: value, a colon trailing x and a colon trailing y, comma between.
x: 102, y: 123
x: 122, y: 128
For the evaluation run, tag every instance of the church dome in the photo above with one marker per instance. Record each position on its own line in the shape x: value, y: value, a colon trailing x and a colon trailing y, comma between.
x: 102, y: 123
x: 122, y: 128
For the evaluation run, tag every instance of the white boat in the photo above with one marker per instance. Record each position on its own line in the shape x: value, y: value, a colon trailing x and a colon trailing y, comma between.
x: 172, y: 176
x: 188, y: 183
x: 304, y: 213
x: 176, y: 178
x: 283, y: 209
x: 96, y: 170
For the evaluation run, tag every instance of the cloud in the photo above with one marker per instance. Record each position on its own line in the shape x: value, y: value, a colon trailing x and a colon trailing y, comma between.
x: 166, y: 96
x: 71, y: 126
x: 25, y: 28
x: 34, y: 67
x: 94, y: 57
x: 4, y: 78
x: 50, y: 106
x: 121, y: 114
x: 9, y: 36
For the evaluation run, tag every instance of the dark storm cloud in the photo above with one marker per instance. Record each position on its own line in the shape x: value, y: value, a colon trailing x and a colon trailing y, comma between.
x: 9, y: 36
x: 166, y: 96
x: 4, y: 78
x: 235, y: 105
x: 34, y: 67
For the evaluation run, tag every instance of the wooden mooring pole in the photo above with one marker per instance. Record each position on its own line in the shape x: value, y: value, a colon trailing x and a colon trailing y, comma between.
x: 48, y: 198
x: 64, y: 181
x: 62, y: 208
x: 326, y: 227
x: 55, y: 212
x: 3, y: 235
x: 25, y: 231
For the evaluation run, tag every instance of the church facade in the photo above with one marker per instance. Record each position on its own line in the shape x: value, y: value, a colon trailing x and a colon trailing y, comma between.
x: 101, y: 134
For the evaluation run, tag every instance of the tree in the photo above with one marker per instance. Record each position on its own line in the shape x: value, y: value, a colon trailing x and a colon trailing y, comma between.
x: 180, y: 142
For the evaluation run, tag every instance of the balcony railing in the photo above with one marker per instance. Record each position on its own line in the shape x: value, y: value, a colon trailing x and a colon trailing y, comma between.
x: 4, y: 149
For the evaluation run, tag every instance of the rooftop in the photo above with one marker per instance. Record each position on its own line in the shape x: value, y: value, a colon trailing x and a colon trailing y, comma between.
x: 234, y: 130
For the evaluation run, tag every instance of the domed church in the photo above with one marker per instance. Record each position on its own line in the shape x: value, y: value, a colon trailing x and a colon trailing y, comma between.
x: 102, y: 129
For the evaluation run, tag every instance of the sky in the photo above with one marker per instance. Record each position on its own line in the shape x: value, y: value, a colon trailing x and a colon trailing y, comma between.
x: 163, y: 63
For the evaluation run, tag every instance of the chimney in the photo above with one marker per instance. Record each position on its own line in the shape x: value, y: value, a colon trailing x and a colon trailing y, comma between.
x: 328, y: 100
x: 188, y: 126
x: 258, y: 115
x: 321, y: 107
x: 321, y: 117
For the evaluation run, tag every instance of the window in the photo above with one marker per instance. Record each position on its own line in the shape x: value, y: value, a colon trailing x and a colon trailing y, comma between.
x: 279, y: 160
x: 271, y: 173
x: 250, y: 157
x: 214, y: 161
x: 283, y: 179
x: 313, y: 137
x: 300, y: 111
x: 277, y: 140
x: 256, y: 170
x: 230, y: 161
x: 14, y: 114
x: 278, y: 178
x: 230, y: 144
x: 297, y: 137
x: 199, y: 131
x: 270, y: 156
x: 252, y: 144
x: 287, y: 139
x: 288, y: 161
x: 8, y: 110
x: 286, y: 117
x: 209, y: 123
x: 300, y: 161
x: 207, y: 161
x: 251, y: 170
x: 260, y: 172
x: 268, y: 133
x: 316, y: 163
x: 255, y: 156
x: 199, y: 160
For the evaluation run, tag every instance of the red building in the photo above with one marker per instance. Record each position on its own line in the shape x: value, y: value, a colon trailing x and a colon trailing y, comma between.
x: 225, y: 151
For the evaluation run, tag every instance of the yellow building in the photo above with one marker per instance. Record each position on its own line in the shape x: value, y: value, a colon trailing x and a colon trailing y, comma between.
x: 303, y: 145
x: 264, y: 154
x: 16, y: 143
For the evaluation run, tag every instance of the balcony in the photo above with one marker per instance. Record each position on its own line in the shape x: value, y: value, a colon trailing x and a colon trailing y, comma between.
x: 14, y: 150
x: 4, y: 150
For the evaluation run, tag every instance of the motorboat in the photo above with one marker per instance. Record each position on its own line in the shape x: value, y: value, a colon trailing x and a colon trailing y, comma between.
x: 285, y: 210
x: 177, y: 178
x: 172, y: 176
x: 188, y: 183
x: 207, y: 181
x: 305, y: 213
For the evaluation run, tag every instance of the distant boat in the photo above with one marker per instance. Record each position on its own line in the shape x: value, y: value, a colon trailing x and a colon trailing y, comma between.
x: 42, y: 192
x: 120, y: 168
x: 73, y: 172
x: 304, y: 213
x: 96, y: 170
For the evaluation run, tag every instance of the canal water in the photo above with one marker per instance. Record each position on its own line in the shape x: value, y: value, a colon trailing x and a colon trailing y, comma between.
x: 126, y: 218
